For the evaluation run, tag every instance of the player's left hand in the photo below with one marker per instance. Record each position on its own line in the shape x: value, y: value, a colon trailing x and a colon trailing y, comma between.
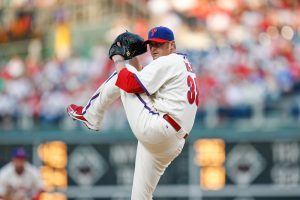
x: 127, y: 45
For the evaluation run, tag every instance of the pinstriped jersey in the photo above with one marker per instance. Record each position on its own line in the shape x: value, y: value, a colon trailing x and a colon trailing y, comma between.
x: 171, y: 84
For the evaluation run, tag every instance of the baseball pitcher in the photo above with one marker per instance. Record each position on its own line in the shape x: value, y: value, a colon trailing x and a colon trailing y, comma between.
x: 160, y: 101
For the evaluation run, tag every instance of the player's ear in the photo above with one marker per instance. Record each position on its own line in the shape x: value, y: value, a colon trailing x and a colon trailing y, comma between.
x: 172, y: 45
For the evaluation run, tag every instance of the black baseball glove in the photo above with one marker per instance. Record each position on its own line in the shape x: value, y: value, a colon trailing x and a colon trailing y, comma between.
x: 127, y: 45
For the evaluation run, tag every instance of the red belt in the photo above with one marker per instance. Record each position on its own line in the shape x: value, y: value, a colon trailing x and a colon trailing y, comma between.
x: 174, y: 124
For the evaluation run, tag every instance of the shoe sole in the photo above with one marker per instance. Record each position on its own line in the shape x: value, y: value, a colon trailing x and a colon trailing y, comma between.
x: 89, y: 126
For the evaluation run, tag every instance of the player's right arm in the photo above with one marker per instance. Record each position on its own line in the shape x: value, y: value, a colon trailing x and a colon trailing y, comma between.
x: 126, y: 79
x: 4, y: 191
x: 38, y: 186
x: 148, y: 80
x: 2, y: 186
x: 157, y: 73
x: 135, y: 63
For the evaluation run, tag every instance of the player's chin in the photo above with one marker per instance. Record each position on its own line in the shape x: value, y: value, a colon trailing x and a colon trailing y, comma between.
x: 154, y: 56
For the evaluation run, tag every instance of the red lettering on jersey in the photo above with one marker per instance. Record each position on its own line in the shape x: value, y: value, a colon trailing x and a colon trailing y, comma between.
x: 188, y: 66
x: 193, y: 93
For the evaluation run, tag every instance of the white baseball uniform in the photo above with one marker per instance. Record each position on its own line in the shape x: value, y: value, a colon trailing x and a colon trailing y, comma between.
x: 170, y: 90
x: 20, y: 187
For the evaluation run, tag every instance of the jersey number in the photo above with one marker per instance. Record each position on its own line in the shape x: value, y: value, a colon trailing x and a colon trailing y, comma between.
x: 193, y: 93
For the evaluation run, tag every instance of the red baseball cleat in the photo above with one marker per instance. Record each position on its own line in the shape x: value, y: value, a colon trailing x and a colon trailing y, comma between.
x: 75, y: 112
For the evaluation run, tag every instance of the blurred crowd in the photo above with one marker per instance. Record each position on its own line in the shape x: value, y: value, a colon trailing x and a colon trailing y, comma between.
x: 42, y: 90
x: 19, y: 24
x: 245, y: 53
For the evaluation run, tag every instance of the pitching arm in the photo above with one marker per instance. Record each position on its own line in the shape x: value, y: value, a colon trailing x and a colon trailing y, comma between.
x: 136, y: 63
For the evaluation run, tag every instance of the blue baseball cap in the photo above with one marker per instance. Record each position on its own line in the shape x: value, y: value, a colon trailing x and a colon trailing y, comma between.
x: 19, y: 153
x: 160, y: 34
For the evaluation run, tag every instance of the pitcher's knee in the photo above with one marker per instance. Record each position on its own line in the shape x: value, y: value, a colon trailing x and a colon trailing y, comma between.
x: 142, y: 193
x: 141, y: 196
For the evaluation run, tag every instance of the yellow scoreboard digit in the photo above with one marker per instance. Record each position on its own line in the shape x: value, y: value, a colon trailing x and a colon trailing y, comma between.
x: 54, y: 156
x: 210, y: 157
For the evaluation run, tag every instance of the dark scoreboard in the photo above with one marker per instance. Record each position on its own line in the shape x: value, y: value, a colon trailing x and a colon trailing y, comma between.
x: 216, y: 166
x: 275, y: 162
x: 114, y: 165
x: 248, y: 170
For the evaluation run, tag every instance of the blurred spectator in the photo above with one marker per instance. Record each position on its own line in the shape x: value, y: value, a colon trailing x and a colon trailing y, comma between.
x: 15, y: 67
x: 3, y: 35
x: 62, y: 35
x: 21, y: 27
